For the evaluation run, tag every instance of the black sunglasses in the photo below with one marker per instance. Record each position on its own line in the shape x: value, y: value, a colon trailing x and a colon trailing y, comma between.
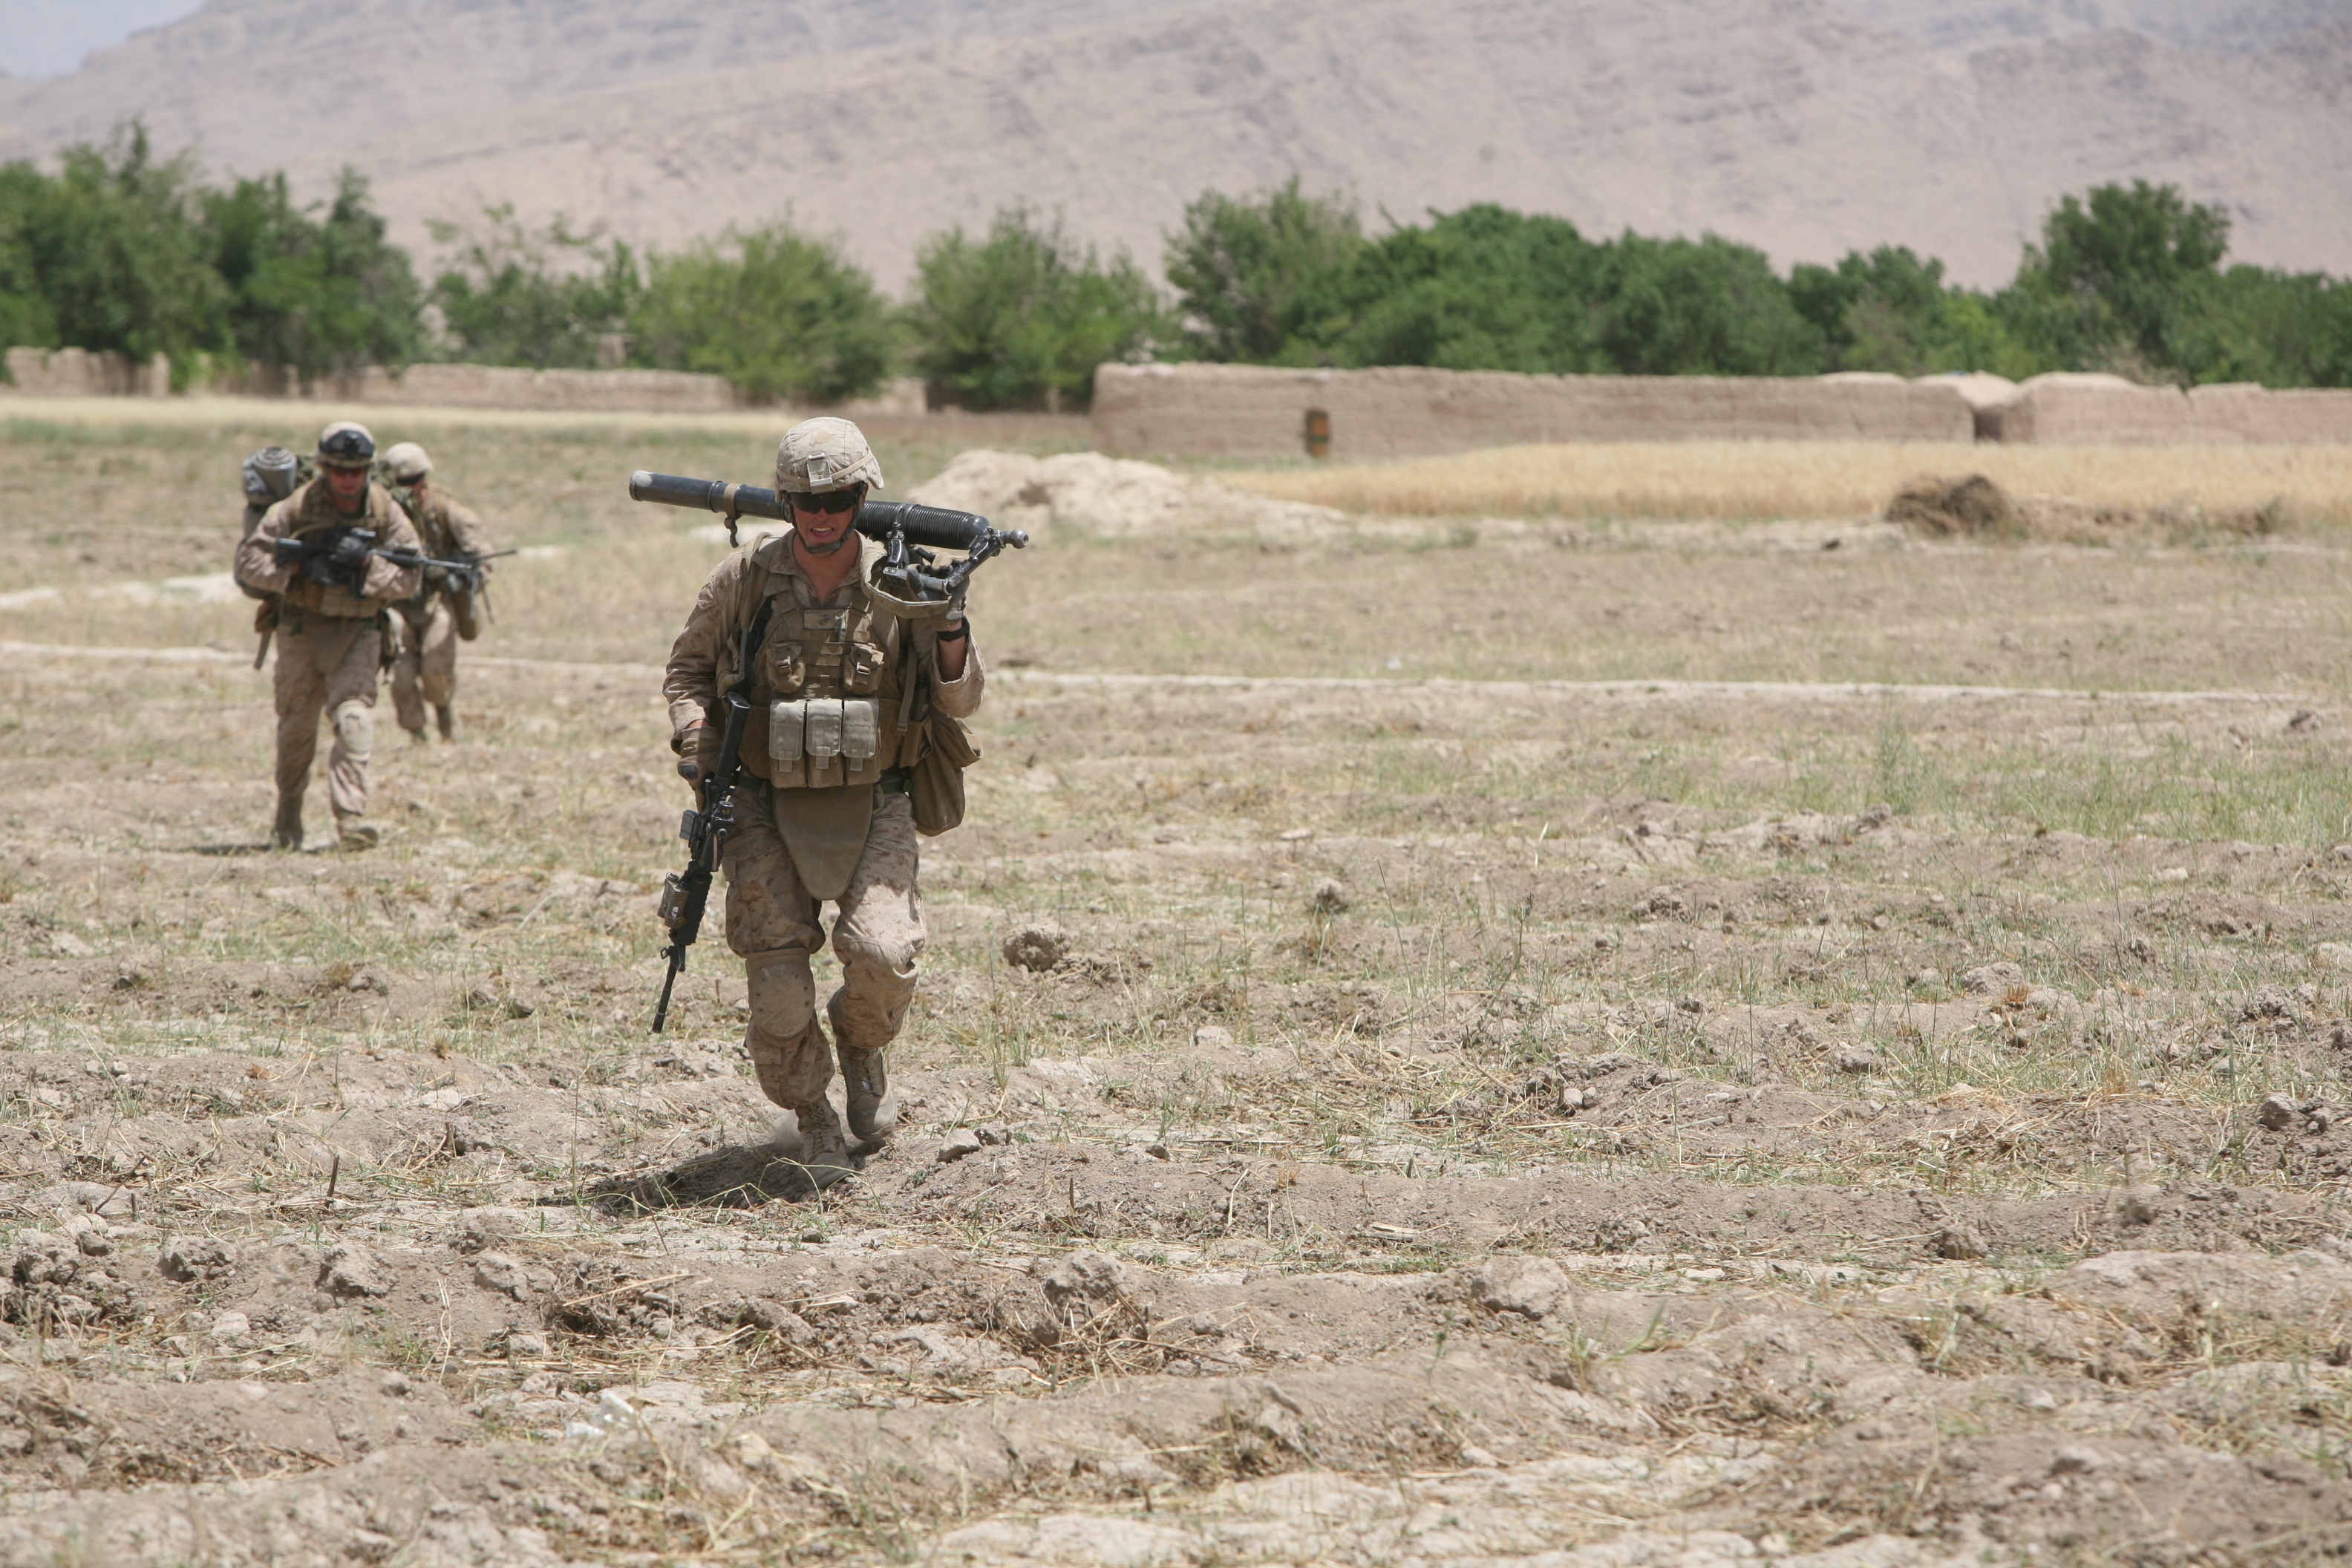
x: 347, y: 448
x: 827, y: 501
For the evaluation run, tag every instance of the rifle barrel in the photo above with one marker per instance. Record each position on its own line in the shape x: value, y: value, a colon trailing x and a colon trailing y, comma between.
x: 676, y: 966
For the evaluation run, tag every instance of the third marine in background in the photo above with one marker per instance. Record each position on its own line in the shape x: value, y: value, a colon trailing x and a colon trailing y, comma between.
x: 449, y: 605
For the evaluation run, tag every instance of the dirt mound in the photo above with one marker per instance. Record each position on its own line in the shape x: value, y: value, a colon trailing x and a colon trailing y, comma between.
x: 1110, y: 497
x: 2064, y: 520
x: 1974, y: 507
x: 1969, y: 507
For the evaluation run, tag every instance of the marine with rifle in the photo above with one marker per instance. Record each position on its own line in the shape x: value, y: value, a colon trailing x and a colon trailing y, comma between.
x: 329, y: 558
x: 815, y: 696
x: 448, y: 607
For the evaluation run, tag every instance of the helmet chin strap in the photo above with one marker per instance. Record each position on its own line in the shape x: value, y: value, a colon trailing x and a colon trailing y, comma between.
x: 823, y: 549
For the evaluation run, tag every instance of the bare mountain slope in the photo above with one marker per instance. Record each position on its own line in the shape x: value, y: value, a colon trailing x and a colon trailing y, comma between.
x: 2240, y: 27
x: 1786, y: 123
x: 1789, y: 123
x: 254, y: 82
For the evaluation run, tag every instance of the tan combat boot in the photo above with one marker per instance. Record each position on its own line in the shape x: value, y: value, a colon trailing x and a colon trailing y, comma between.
x: 445, y: 715
x: 352, y: 833
x: 286, y: 833
x: 864, y: 1079
x: 825, y: 1152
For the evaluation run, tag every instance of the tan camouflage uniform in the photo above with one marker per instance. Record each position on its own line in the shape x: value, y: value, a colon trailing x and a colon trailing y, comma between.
x: 425, y: 669
x: 329, y: 647
x: 772, y: 915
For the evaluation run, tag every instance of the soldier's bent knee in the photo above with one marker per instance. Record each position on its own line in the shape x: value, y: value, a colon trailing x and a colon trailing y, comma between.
x: 783, y: 995
x: 355, y: 728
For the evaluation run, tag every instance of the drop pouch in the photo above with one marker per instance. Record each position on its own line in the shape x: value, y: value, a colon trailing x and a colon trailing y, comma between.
x: 465, y: 611
x: 935, y: 784
x: 825, y: 832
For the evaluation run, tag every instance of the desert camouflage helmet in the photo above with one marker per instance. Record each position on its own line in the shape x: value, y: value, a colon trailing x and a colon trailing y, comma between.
x: 346, y: 445
x: 825, y: 455
x: 407, y: 462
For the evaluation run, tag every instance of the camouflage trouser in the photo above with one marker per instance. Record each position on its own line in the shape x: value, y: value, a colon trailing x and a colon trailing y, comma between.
x: 425, y: 670
x: 330, y: 666
x: 772, y: 922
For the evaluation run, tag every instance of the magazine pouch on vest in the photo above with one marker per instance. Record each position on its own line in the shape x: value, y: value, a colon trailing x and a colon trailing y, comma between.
x: 824, y: 730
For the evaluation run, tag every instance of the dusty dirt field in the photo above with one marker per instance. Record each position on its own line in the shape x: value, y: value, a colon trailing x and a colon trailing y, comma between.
x: 1667, y: 1045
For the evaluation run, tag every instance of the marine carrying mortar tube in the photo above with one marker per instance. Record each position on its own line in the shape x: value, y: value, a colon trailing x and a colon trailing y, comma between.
x: 938, y: 527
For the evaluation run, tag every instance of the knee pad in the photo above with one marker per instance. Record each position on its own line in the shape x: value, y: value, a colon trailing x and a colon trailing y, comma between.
x: 784, y: 997
x: 355, y: 728
x: 869, y: 954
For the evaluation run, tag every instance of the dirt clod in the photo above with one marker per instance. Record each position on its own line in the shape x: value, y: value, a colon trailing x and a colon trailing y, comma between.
x: 1036, y: 948
x: 350, y: 1269
x: 1992, y: 979
x: 1959, y: 1242
x: 186, y: 1259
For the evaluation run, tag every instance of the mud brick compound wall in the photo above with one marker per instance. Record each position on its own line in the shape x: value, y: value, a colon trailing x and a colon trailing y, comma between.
x: 1252, y: 411
x: 78, y: 373
x: 500, y: 386
x: 1256, y: 412
x: 2105, y: 410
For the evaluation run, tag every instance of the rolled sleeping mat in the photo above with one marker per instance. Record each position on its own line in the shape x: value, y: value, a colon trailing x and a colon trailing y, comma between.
x: 269, y: 475
x: 936, y: 527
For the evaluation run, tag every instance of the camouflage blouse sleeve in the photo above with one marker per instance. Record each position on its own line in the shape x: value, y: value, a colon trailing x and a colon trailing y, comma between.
x: 467, y: 534
x: 957, y: 699
x: 690, y: 682
x: 386, y: 582
x: 258, y: 566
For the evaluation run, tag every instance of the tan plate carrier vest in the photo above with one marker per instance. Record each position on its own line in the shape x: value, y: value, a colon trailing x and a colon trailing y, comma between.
x: 314, y: 510
x: 829, y: 692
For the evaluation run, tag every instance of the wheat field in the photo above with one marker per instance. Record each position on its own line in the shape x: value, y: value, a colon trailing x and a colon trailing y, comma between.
x: 1813, y: 479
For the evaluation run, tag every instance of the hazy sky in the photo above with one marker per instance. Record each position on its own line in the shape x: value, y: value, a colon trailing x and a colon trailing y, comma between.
x: 48, y: 37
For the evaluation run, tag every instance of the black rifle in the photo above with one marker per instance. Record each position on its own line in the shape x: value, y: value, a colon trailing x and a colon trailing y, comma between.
x: 687, y: 894
x: 902, y: 524
x: 467, y: 570
x: 338, y: 558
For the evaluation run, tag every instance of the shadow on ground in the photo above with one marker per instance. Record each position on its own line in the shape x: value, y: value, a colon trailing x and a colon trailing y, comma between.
x: 741, y: 1175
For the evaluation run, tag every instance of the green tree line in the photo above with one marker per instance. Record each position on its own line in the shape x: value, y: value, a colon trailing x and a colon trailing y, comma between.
x: 120, y: 249
x: 2126, y: 278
